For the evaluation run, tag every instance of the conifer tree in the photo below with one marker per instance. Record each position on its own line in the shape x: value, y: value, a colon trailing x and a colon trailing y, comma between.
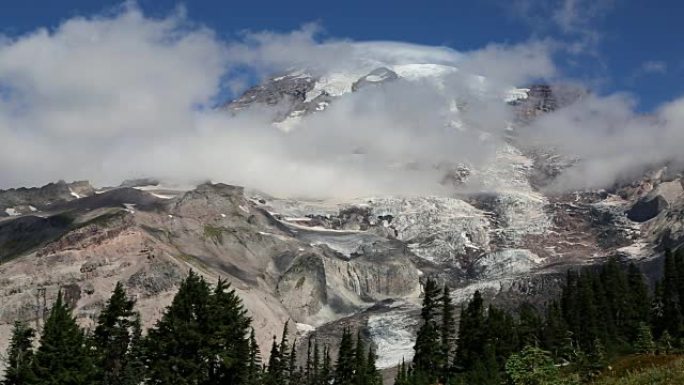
x: 254, y: 365
x: 202, y: 338
x: 644, y: 343
x: 316, y: 365
x: 447, y: 331
x: 227, y: 329
x: 372, y: 375
x: 360, y: 365
x: 402, y: 375
x: 284, y: 355
x: 176, y: 349
x: 344, y: 369
x: 274, y: 371
x: 326, y: 368
x: 62, y: 357
x: 639, y: 301
x: 471, y: 333
x: 427, y: 347
x: 665, y: 343
x: 672, y: 316
x: 112, y: 340
x: 294, y: 375
x: 19, y: 356
x: 529, y: 325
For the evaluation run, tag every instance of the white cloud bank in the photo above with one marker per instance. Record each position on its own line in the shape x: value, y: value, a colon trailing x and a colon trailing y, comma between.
x: 111, y: 97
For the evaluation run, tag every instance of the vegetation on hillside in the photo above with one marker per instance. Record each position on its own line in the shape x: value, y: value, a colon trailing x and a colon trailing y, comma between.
x: 605, y: 328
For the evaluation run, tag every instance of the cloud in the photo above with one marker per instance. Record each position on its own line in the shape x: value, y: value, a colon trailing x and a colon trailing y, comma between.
x: 654, y: 67
x: 574, y: 22
x: 611, y: 142
x: 122, y: 95
x: 114, y: 96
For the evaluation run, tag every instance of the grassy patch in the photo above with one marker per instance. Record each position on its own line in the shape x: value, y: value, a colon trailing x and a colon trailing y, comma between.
x: 194, y: 261
x: 215, y: 233
x: 644, y: 370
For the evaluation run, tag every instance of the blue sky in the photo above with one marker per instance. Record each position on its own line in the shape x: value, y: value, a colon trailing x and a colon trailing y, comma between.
x: 624, y: 46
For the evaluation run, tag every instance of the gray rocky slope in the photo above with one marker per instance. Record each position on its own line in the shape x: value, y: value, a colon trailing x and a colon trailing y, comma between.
x: 327, y: 264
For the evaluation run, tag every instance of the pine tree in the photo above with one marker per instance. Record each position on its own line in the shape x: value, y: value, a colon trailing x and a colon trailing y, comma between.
x: 402, y: 375
x: 672, y: 316
x: 471, y: 333
x: 176, y: 349
x: 62, y: 357
x: 344, y: 369
x: 20, y: 356
x: 373, y: 377
x: 112, y: 340
x: 639, y: 301
x: 588, y: 329
x: 500, y: 333
x: 274, y: 371
x: 316, y: 365
x: 529, y: 325
x: 227, y: 328
x: 665, y: 343
x: 447, y: 332
x: 254, y: 364
x: 555, y: 331
x: 427, y: 347
x: 326, y: 369
x: 284, y: 354
x: 360, y: 368
x: 294, y: 375
x: 644, y: 343
x: 202, y: 338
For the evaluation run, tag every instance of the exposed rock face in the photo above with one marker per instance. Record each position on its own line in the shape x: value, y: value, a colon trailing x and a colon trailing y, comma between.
x: 19, y: 201
x: 327, y: 265
x: 292, y: 88
x: 150, y: 243
x: 544, y: 98
x: 647, y: 208
x: 377, y: 76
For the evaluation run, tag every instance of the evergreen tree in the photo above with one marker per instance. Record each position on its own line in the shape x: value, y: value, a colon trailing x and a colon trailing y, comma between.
x: 373, y: 376
x: 326, y: 369
x: 402, y: 375
x: 344, y: 369
x: 555, y: 332
x: 294, y: 375
x: 274, y: 371
x: 529, y: 325
x: 112, y: 340
x: 672, y: 316
x: 644, y: 343
x: 427, y: 347
x: 176, y: 349
x: 254, y: 365
x: 284, y: 355
x: 316, y: 365
x: 471, y: 333
x: 227, y: 333
x: 202, y: 338
x: 588, y: 327
x: 639, y: 301
x: 360, y: 368
x: 20, y: 356
x: 447, y: 332
x: 500, y: 334
x: 665, y: 343
x: 62, y: 357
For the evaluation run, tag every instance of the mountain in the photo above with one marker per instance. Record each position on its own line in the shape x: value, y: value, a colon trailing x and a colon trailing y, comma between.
x: 331, y: 263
